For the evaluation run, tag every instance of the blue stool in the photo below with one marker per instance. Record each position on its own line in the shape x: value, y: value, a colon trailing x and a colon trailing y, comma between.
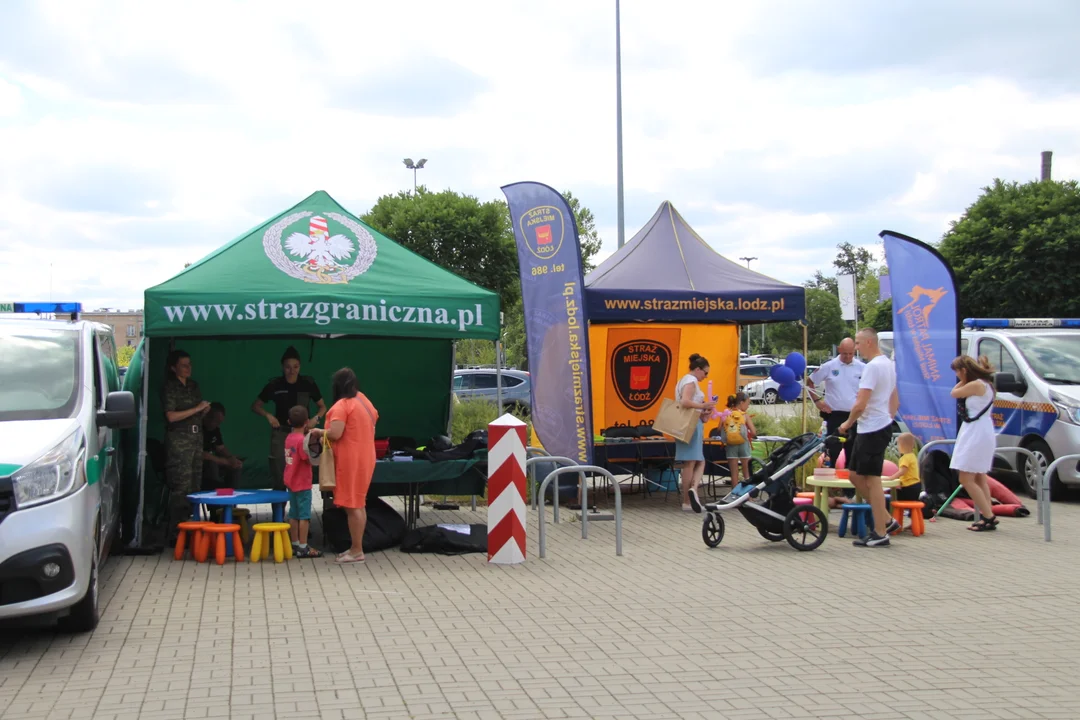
x: 861, y: 518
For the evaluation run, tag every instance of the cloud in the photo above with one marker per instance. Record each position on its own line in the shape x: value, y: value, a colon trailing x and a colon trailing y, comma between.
x: 139, y: 136
x: 418, y: 87
x: 946, y: 41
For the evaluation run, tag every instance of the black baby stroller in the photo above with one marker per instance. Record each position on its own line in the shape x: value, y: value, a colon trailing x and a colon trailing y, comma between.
x: 767, y: 500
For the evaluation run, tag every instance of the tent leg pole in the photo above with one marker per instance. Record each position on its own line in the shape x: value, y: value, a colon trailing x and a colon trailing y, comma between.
x: 805, y: 393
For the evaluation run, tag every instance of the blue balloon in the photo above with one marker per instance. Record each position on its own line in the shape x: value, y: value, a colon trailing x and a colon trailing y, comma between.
x: 796, y: 362
x: 782, y: 374
x: 790, y: 391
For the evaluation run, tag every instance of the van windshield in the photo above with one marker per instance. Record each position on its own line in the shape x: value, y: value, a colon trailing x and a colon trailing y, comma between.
x: 39, y: 374
x: 1054, y: 358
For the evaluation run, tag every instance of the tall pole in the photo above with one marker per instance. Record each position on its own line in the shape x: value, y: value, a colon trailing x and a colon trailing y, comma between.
x: 618, y: 123
x: 747, y: 261
x: 414, y: 180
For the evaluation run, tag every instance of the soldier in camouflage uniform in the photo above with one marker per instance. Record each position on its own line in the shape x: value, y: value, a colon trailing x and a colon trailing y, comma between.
x: 184, y: 409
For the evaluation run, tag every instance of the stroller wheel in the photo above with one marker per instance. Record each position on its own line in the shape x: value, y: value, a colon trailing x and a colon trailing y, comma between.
x: 770, y: 536
x: 712, y: 529
x: 805, y: 527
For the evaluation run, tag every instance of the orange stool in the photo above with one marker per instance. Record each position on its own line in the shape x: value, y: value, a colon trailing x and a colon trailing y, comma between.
x: 805, y: 495
x: 196, y: 528
x: 918, y: 526
x: 219, y: 542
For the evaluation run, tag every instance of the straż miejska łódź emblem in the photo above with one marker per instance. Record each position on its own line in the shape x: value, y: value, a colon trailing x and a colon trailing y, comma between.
x: 319, y: 256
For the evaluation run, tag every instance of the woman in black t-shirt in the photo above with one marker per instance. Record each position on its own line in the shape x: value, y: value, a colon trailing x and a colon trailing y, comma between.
x: 286, y: 391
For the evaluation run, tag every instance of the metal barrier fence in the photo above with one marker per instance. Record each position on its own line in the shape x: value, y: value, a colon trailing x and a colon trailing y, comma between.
x: 539, y: 496
x: 1042, y: 484
x: 593, y: 469
x: 1046, y: 478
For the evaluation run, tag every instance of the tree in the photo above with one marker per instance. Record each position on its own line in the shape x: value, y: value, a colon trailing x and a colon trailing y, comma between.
x: 469, y: 238
x: 851, y: 260
x: 880, y: 316
x: 588, y: 235
x: 824, y: 326
x: 124, y: 353
x: 1016, y: 251
x: 821, y: 281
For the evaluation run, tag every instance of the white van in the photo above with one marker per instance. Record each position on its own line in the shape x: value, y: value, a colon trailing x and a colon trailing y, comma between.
x: 60, y: 414
x: 1038, y: 400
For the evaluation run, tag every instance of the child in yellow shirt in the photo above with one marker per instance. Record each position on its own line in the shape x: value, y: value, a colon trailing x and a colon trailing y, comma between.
x: 908, y: 470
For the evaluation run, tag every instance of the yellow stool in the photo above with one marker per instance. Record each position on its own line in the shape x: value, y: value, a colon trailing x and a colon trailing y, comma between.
x: 279, y: 532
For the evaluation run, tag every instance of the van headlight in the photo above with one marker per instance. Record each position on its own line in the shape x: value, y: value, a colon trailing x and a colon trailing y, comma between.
x: 1067, y: 408
x: 55, y: 474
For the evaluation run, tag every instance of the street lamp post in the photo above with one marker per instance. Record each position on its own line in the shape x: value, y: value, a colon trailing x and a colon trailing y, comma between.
x: 747, y: 261
x: 618, y: 124
x: 414, y: 167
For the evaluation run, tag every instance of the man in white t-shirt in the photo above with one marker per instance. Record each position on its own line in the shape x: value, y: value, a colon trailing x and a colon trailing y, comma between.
x: 841, y: 376
x: 875, y: 407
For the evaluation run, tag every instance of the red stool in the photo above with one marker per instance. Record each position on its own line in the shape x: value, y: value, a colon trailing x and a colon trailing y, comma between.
x: 196, y: 528
x: 918, y: 526
x: 219, y: 542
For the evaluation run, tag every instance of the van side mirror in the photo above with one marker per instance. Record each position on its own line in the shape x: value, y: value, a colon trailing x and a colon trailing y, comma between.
x: 1006, y: 382
x: 119, y: 410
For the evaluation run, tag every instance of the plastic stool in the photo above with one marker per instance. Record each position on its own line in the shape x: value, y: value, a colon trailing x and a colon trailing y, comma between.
x: 804, y: 495
x: 241, y: 516
x: 196, y: 528
x: 804, y: 501
x: 265, y: 533
x: 861, y: 518
x: 918, y: 525
x: 219, y: 542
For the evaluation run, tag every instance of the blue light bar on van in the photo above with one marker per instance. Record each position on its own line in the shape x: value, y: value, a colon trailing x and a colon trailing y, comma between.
x: 989, y: 323
x: 40, y: 307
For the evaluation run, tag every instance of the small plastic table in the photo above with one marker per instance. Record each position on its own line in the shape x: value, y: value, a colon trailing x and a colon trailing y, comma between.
x: 276, y: 499
x: 821, y: 487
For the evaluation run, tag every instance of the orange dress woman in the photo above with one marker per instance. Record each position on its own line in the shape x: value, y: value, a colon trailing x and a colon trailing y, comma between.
x: 351, y: 429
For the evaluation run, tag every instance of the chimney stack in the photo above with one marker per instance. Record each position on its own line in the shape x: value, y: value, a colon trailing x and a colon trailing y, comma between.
x: 1046, y: 155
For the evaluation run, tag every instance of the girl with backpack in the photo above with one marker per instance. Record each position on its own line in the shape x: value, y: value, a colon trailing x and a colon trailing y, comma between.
x: 739, y: 430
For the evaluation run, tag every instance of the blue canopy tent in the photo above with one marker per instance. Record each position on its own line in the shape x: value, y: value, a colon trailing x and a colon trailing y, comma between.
x: 664, y: 295
x: 667, y: 273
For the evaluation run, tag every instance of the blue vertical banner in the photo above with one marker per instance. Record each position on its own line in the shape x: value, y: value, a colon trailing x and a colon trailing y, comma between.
x: 556, y: 328
x: 926, y: 335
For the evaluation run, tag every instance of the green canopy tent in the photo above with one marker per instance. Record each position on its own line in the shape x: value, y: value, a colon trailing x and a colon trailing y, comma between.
x: 317, y: 278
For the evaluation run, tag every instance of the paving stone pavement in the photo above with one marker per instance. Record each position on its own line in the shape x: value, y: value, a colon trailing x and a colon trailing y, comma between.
x: 953, y: 624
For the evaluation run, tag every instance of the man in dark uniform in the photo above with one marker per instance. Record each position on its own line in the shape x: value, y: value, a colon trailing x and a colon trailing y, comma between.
x: 184, y: 406
x: 287, y: 391
x: 221, y: 469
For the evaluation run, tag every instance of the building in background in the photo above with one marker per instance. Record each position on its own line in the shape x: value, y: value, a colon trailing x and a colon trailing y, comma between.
x: 127, y: 325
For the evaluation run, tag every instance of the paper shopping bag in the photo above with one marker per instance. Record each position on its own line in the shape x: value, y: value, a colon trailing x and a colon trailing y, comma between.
x: 676, y: 421
x: 327, y: 476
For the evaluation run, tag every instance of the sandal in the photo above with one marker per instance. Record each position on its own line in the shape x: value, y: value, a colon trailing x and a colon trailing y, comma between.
x: 308, y: 552
x: 345, y: 558
x: 984, y: 524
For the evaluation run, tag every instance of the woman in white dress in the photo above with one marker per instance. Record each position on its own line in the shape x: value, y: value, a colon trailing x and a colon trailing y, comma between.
x: 973, y: 455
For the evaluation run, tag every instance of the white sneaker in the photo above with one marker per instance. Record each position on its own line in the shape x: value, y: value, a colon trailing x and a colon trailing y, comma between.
x: 687, y: 508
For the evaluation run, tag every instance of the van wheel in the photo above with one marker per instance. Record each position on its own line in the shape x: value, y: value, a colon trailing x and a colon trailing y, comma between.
x: 85, y: 614
x: 1045, y: 457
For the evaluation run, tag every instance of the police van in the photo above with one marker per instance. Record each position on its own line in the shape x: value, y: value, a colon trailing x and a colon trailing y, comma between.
x: 61, y: 410
x: 1038, y: 390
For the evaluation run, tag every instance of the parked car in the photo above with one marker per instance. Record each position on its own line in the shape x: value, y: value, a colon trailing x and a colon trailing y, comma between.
x: 752, y: 373
x: 481, y: 383
x: 767, y: 391
x: 61, y: 409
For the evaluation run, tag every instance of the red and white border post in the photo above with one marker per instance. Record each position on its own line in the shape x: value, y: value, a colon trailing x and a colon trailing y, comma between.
x: 506, y: 491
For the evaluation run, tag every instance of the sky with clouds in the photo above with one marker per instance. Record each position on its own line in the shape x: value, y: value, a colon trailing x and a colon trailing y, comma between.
x: 139, y: 136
